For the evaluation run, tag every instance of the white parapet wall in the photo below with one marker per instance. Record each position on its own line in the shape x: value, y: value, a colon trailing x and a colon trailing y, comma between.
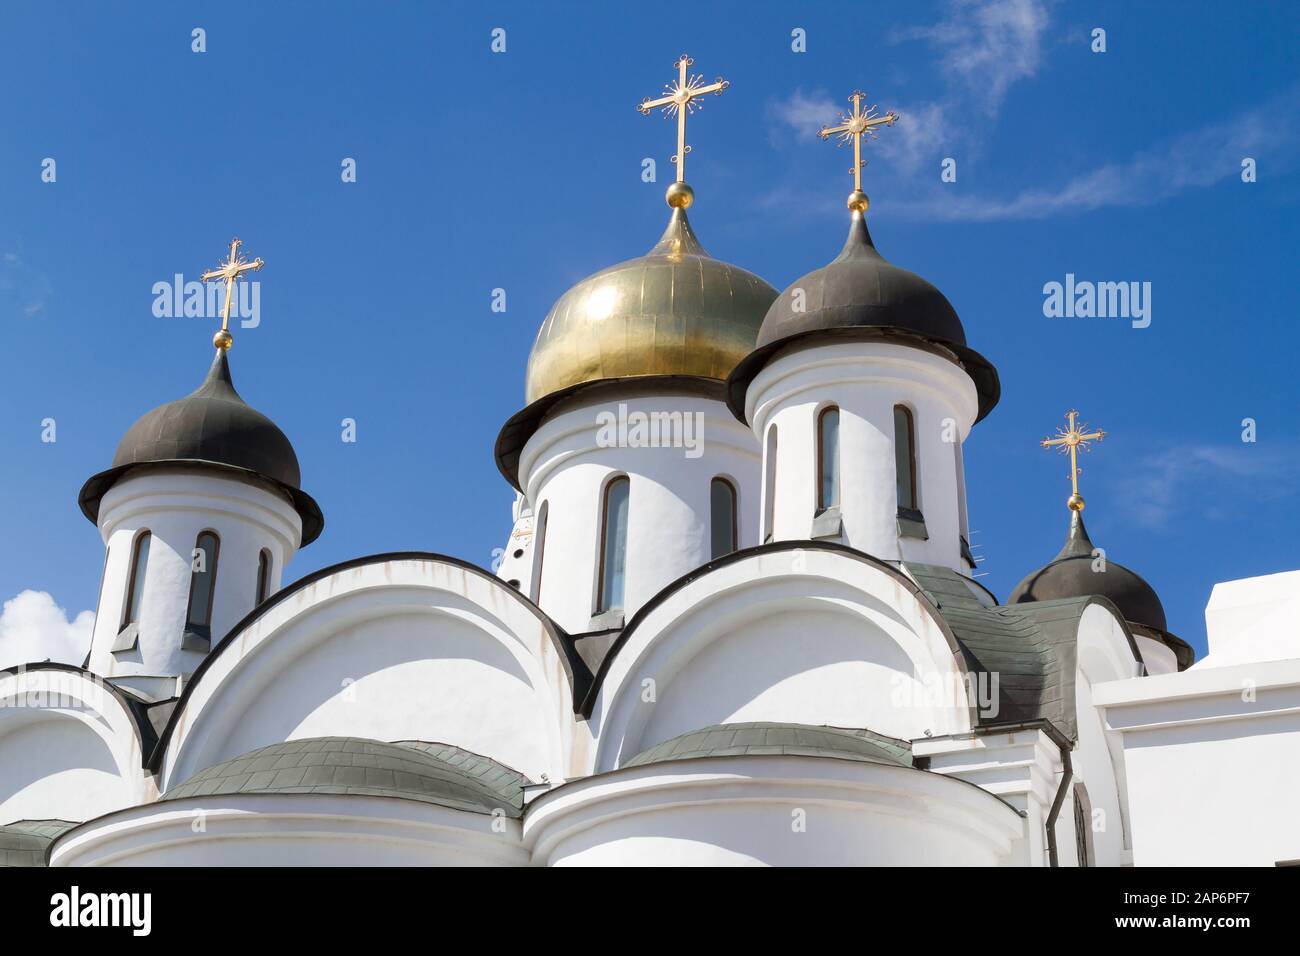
x: 1213, y: 763
x: 772, y: 811
x: 1253, y: 619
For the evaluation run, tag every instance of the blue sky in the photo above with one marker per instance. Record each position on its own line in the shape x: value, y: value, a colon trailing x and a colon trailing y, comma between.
x: 521, y: 171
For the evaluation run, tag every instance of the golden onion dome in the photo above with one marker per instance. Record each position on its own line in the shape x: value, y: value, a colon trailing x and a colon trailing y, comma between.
x: 674, y: 311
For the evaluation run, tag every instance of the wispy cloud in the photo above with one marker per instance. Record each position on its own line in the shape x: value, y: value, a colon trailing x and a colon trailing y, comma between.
x: 1195, y: 160
x: 33, y: 628
x: 983, y: 47
x: 805, y: 113
x: 986, y: 46
x: 1160, y: 484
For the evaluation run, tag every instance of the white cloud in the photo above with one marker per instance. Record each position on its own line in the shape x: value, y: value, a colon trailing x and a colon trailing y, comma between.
x: 1195, y: 160
x: 805, y: 113
x: 987, y: 45
x: 917, y: 138
x: 34, y: 628
x: 982, y: 46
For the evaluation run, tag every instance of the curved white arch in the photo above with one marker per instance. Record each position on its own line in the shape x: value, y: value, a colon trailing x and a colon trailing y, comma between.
x: 802, y: 635
x: 1104, y: 653
x: 69, y: 747
x: 410, y: 648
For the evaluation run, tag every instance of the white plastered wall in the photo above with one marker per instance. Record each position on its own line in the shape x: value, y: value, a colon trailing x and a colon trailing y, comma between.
x: 771, y: 811
x: 415, y: 649
x: 800, y: 636
x: 175, y: 506
x: 294, y: 830
x: 1211, y: 766
x: 564, y: 467
x: 68, y: 748
x: 865, y: 380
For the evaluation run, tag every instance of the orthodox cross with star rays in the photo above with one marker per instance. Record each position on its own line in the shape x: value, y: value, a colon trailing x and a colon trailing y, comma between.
x: 680, y: 99
x: 854, y: 126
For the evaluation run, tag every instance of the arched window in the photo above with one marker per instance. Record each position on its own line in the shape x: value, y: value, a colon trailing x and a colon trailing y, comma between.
x: 135, y: 584
x: 905, y: 457
x: 263, y: 576
x: 1082, y: 827
x: 539, y: 550
x: 828, y: 458
x: 722, y: 518
x: 613, y: 546
x: 769, y: 486
x: 203, y: 578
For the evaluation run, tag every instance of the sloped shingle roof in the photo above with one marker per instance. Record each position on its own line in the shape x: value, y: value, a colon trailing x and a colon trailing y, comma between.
x: 1031, y: 648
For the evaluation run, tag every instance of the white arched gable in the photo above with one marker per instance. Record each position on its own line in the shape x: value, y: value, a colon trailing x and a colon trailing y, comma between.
x: 69, y: 746
x: 1105, y: 652
x: 812, y: 635
x: 407, y: 647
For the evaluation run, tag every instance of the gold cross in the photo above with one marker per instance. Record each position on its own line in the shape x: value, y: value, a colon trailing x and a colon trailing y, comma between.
x: 1071, y: 440
x: 854, y: 126
x: 679, y: 100
x: 231, y: 271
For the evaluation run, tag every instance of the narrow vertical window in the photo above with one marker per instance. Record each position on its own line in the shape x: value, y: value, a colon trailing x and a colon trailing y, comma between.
x: 613, y: 546
x: 135, y: 585
x: 203, y: 577
x: 828, y: 458
x: 722, y: 518
x: 769, y: 487
x: 263, y: 576
x: 905, y: 457
x: 1082, y: 815
x: 539, y: 551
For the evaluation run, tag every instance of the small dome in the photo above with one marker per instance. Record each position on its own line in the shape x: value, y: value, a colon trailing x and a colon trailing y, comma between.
x: 861, y: 295
x: 674, y: 311
x: 1071, y: 575
x: 412, y: 770
x: 777, y: 739
x: 210, y: 426
x: 860, y: 289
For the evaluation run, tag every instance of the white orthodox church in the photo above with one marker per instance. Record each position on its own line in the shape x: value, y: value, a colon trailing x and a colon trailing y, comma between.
x: 735, y: 623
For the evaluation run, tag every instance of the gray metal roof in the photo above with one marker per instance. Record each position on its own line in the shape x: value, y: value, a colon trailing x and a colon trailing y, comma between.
x: 778, y: 739
x: 24, y: 843
x: 427, y: 773
x: 507, y: 783
x: 1030, y: 647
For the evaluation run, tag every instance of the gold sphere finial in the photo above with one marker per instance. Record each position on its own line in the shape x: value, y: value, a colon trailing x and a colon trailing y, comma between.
x: 680, y: 196
x: 858, y: 201
x: 1075, y: 502
x: 223, y: 339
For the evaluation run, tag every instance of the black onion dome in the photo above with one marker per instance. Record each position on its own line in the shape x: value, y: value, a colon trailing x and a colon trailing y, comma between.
x: 212, y: 426
x: 862, y: 295
x: 1070, y: 575
x: 861, y: 289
